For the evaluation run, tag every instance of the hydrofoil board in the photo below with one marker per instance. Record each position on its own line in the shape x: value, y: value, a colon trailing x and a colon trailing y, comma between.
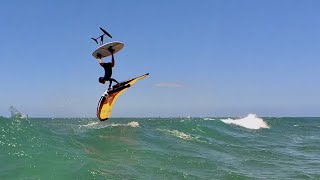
x: 103, y: 49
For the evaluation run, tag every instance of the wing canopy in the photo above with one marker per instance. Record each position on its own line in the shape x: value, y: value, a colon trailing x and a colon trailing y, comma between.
x: 107, y: 101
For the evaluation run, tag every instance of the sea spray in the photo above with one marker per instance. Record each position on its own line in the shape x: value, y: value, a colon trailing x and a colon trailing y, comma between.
x: 250, y: 122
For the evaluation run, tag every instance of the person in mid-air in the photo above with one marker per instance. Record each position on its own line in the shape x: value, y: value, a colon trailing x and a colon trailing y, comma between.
x: 107, y: 69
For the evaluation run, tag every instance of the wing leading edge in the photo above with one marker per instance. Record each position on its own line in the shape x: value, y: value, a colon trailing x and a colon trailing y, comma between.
x: 107, y: 101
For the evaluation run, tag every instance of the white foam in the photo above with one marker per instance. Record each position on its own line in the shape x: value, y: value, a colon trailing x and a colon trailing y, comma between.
x: 91, y: 124
x: 181, y: 135
x: 208, y: 119
x: 177, y: 133
x: 101, y: 125
x: 132, y: 124
x: 250, y: 122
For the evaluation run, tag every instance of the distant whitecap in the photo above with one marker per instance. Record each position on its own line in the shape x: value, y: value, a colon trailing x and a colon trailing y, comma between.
x: 250, y: 122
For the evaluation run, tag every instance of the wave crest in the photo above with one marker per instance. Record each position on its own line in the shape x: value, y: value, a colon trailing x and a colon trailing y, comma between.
x: 249, y: 122
x: 177, y: 133
x: 101, y: 125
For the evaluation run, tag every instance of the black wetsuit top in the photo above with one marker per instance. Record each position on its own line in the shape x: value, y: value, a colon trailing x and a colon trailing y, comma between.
x: 107, y: 70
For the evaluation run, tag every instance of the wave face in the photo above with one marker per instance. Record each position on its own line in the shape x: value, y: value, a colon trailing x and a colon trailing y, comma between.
x: 249, y: 147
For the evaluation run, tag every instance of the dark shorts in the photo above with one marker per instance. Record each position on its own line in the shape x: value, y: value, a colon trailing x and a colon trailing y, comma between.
x: 106, y: 78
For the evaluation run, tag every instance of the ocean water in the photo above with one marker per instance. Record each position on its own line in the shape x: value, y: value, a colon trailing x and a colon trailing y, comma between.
x: 160, y: 148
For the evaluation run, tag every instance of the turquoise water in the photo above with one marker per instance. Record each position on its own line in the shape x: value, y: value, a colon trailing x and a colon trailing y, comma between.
x: 160, y: 148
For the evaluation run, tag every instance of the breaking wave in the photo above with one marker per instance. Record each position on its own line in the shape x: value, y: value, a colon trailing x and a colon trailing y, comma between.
x: 249, y: 122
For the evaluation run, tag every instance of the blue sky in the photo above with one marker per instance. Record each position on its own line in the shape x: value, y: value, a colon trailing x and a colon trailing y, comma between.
x: 205, y: 58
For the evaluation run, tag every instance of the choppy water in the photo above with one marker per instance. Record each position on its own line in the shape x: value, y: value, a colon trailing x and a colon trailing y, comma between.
x: 160, y: 148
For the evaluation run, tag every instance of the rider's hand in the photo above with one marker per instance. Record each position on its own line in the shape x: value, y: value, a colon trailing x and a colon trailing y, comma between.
x: 111, y: 50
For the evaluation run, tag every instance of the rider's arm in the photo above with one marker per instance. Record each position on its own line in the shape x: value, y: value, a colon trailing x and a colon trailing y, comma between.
x: 112, y: 60
x: 99, y: 58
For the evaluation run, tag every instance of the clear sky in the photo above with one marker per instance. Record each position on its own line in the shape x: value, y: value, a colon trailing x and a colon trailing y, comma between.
x: 205, y: 58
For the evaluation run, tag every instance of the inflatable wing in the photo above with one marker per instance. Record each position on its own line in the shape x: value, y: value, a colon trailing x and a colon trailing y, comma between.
x: 108, y: 99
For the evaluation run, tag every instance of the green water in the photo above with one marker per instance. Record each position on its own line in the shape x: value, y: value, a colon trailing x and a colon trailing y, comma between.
x: 160, y: 148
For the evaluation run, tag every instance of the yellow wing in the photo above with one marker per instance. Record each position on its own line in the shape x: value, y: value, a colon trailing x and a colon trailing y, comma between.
x: 106, y: 101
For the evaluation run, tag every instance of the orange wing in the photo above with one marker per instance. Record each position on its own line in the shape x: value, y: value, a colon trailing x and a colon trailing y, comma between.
x: 107, y: 100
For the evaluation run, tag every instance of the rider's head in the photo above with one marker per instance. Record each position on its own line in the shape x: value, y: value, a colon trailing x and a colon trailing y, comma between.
x: 101, y: 80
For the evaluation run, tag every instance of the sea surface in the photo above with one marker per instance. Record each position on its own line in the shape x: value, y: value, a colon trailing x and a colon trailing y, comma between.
x: 249, y: 147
